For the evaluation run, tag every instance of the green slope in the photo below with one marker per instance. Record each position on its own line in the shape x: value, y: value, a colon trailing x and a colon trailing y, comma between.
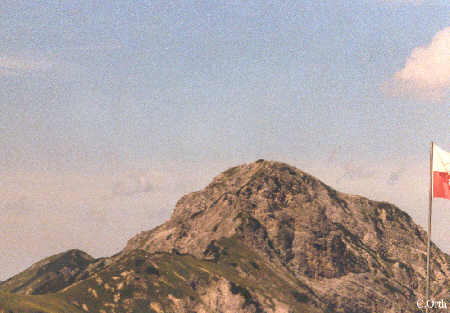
x: 139, y: 280
x: 50, y: 274
x: 50, y: 303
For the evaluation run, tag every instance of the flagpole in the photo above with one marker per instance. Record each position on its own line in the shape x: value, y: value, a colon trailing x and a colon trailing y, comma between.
x: 429, y: 227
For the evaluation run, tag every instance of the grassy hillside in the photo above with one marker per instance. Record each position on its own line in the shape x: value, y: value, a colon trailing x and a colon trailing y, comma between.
x: 50, y: 303
x: 49, y: 275
x: 144, y: 282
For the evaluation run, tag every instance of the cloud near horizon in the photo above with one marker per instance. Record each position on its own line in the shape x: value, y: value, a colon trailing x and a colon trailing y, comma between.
x: 15, y: 65
x: 426, y: 74
x: 132, y: 184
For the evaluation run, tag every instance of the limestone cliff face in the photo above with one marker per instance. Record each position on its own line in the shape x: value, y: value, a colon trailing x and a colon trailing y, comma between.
x: 262, y: 237
x: 356, y: 254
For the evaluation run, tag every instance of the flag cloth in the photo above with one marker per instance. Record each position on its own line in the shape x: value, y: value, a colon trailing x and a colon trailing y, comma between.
x: 441, y: 173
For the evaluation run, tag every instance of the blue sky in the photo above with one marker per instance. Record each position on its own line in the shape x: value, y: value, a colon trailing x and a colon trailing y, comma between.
x: 109, y: 112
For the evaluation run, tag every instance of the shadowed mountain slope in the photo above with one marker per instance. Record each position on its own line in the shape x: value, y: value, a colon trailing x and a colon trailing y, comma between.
x: 262, y: 237
x: 50, y: 274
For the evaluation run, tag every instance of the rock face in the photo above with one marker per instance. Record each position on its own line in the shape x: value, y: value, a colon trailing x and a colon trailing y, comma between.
x: 357, y: 255
x: 264, y: 237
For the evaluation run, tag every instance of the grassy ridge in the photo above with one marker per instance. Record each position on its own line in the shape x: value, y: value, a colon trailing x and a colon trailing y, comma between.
x: 140, y: 279
x: 143, y: 282
x: 48, y: 275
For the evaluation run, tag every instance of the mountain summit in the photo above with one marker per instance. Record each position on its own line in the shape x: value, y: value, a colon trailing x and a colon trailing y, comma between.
x: 267, y: 237
x: 356, y: 254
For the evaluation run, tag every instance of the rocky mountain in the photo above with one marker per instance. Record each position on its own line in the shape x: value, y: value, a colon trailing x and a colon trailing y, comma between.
x: 261, y: 237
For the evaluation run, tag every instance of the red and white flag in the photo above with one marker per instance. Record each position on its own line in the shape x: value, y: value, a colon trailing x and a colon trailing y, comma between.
x: 441, y: 173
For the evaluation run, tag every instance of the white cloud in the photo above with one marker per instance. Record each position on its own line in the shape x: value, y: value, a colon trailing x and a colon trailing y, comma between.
x: 18, y: 205
x: 14, y: 65
x: 426, y: 73
x: 132, y: 184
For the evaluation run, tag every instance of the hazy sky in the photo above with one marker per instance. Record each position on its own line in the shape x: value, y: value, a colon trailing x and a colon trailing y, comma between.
x: 111, y: 111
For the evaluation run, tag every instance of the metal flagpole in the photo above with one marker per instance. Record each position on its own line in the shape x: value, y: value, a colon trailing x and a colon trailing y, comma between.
x: 429, y: 227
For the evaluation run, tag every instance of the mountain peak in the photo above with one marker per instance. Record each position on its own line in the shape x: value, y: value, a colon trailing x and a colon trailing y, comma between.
x: 260, y: 168
x: 262, y: 176
x: 298, y: 222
